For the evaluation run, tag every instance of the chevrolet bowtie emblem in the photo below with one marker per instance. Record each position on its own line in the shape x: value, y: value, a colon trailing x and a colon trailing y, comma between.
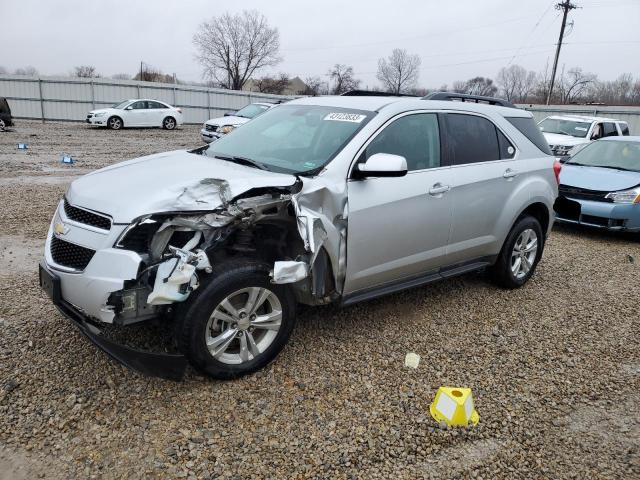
x: 60, y: 229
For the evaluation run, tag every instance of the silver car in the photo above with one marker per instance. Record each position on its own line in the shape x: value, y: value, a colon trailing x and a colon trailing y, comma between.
x: 322, y: 200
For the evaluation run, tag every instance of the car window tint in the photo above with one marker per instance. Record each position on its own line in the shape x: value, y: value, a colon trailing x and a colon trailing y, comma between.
x: 506, y: 148
x: 625, y: 129
x: 139, y: 105
x: 415, y: 137
x: 471, y: 139
x: 527, y: 127
x: 610, y: 130
x: 155, y: 105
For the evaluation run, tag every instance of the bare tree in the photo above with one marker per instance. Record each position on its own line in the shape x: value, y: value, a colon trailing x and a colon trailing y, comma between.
x: 276, y: 85
x: 29, y: 70
x: 574, y: 84
x: 121, y: 76
x: 86, y: 71
x: 342, y: 78
x: 399, y: 73
x: 476, y: 86
x: 315, y: 86
x: 516, y: 83
x: 231, y: 48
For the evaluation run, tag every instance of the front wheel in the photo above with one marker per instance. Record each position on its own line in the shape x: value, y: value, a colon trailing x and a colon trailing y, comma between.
x: 237, y: 322
x: 169, y: 123
x: 520, y: 254
x: 114, y: 123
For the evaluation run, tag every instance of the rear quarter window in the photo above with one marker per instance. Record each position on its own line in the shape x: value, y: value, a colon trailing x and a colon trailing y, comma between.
x: 624, y: 128
x: 527, y: 126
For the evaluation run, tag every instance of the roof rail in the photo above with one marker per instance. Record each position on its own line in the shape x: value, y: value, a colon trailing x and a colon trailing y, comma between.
x: 368, y: 93
x: 464, y: 97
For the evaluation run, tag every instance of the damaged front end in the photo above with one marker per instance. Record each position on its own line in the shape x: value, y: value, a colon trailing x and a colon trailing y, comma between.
x: 276, y: 225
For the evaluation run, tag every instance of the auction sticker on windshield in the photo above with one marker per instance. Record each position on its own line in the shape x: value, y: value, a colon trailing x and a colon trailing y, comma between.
x: 345, y: 117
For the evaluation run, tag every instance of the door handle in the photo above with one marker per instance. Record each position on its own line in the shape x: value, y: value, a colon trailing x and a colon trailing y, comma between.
x: 508, y: 173
x: 438, y: 189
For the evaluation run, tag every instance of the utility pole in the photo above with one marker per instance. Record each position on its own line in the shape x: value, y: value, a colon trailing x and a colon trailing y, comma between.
x: 141, y: 72
x: 565, y: 6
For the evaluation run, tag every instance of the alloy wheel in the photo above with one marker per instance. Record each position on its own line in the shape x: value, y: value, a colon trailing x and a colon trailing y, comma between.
x: 524, y: 253
x: 243, y: 325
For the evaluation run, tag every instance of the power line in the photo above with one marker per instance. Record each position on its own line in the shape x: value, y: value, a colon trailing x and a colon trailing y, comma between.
x: 530, y: 33
x: 565, y: 6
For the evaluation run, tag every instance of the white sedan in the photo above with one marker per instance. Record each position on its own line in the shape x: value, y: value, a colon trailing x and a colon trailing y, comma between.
x: 137, y: 113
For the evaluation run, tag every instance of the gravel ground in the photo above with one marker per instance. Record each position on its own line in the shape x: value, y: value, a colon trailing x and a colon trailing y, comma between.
x: 554, y: 366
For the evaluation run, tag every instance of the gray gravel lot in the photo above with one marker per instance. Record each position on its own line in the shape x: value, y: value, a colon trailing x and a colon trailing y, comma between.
x: 554, y: 366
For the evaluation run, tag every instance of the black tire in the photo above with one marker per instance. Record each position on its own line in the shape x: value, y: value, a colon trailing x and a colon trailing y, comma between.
x: 169, y: 123
x: 194, y: 314
x: 115, y: 123
x: 2, y: 125
x: 501, y: 272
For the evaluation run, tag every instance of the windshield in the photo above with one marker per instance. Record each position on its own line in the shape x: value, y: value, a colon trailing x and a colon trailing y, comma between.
x: 609, y: 154
x: 292, y: 138
x: 251, y: 111
x: 565, y: 127
x: 122, y: 104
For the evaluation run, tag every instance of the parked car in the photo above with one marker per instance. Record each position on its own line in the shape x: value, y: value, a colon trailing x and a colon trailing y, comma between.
x: 137, y: 113
x: 600, y: 185
x: 5, y: 114
x: 216, y: 127
x: 321, y: 200
x: 564, y: 132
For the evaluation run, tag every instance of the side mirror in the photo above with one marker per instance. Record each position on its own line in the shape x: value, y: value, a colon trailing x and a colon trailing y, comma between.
x: 229, y: 114
x: 382, y: 165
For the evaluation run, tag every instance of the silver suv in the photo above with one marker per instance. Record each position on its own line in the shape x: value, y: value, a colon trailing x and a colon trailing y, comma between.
x: 321, y: 200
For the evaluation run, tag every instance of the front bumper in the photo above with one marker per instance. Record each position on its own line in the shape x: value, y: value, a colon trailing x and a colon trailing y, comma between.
x: 208, y: 136
x: 609, y: 216
x: 98, y: 121
x: 171, y: 367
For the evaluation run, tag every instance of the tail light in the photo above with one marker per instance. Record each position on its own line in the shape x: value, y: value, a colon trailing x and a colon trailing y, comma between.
x: 557, y: 167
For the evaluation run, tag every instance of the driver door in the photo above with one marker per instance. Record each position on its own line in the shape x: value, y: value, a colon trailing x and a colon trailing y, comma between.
x: 398, y: 228
x: 137, y: 116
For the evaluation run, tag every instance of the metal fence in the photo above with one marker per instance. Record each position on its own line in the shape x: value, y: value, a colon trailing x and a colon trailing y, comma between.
x: 62, y: 98
x: 631, y: 115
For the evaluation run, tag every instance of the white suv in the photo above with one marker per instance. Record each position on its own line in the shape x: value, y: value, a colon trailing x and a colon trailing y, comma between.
x: 564, y: 132
x: 216, y: 127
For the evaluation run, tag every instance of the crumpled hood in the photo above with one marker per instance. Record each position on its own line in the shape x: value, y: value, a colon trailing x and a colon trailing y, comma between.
x: 559, y: 139
x: 598, y: 178
x: 230, y: 120
x: 165, y: 182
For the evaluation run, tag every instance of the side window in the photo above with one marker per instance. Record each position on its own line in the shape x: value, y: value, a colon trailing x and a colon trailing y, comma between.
x: 506, y: 149
x: 624, y: 128
x: 415, y: 137
x: 142, y: 105
x: 471, y: 139
x: 154, y: 105
x: 610, y: 130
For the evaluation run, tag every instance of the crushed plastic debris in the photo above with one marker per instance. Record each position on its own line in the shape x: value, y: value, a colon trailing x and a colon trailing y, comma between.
x: 454, y: 406
x: 412, y: 360
x: 23, y: 146
x: 631, y: 259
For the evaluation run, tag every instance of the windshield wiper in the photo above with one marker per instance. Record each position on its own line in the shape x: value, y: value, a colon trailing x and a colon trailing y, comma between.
x: 618, y: 168
x: 243, y: 161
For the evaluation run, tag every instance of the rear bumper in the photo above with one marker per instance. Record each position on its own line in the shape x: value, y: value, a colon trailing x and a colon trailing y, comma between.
x: 171, y: 367
x: 605, y: 215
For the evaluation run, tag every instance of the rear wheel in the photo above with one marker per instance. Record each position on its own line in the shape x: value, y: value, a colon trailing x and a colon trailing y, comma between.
x: 2, y: 125
x: 520, y: 254
x: 114, y: 123
x: 237, y: 322
x: 169, y: 123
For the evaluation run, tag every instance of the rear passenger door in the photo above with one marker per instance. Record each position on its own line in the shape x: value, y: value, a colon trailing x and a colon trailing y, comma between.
x: 484, y: 175
x: 157, y: 112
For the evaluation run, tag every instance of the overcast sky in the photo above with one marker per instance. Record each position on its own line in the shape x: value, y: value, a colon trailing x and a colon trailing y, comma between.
x: 456, y: 40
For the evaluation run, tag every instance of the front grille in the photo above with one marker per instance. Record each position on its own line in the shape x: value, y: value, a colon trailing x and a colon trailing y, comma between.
x: 84, y: 216
x: 211, y: 128
x: 69, y: 254
x: 583, y: 194
x: 593, y: 220
x: 560, y: 150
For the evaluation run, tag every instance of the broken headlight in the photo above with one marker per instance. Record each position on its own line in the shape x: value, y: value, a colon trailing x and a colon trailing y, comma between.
x: 137, y: 236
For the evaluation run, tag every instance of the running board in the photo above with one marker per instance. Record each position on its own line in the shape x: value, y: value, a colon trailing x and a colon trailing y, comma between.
x: 413, y: 282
